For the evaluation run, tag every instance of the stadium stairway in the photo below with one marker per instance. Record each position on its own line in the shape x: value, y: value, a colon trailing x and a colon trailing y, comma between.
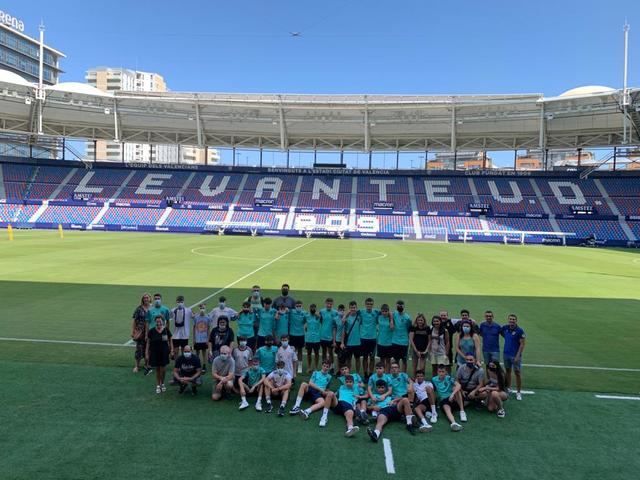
x: 545, y: 205
x: 99, y: 216
x: 63, y: 184
x: 614, y: 209
x: 34, y: 218
x: 163, y: 218
x: 3, y: 193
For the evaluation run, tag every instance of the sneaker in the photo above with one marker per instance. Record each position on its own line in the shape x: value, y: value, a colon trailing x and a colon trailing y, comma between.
x: 269, y: 408
x: 518, y: 396
x: 411, y: 429
x: 501, y: 413
x: 434, y: 418
x: 456, y: 427
x: 428, y: 414
x: 372, y: 435
x: 163, y: 388
x: 323, y: 421
x: 364, y: 418
x: 147, y: 371
x: 509, y: 391
x: 304, y: 414
x: 158, y: 389
x: 135, y: 369
x: 294, y: 411
x: 463, y: 416
x: 352, y: 431
x: 425, y: 427
x: 204, y: 370
x: 258, y: 407
x: 281, y: 411
x: 183, y: 387
x: 243, y: 404
x: 374, y: 414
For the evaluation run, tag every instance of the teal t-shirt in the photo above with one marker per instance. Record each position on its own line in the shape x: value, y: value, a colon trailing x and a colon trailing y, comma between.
x: 327, y: 318
x: 253, y: 375
x: 398, y: 384
x: 368, y: 328
x: 444, y: 387
x: 354, y: 335
x: 321, y: 380
x: 312, y: 335
x: 401, y: 324
x: 282, y: 325
x: 374, y: 378
x: 267, y: 321
x: 267, y: 357
x: 382, y: 403
x: 385, y: 334
x: 153, y: 312
x: 339, y: 326
x: 245, y: 324
x: 296, y: 322
x: 357, y: 380
x: 346, y: 394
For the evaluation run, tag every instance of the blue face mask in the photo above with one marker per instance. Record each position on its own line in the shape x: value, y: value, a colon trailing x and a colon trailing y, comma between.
x: 181, y: 305
x: 187, y: 354
x: 221, y: 304
x: 157, y: 303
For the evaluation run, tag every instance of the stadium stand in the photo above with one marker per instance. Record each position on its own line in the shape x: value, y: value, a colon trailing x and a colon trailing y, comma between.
x: 606, y: 206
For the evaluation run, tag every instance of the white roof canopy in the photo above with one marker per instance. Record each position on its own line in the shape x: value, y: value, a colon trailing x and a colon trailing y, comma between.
x: 323, y: 122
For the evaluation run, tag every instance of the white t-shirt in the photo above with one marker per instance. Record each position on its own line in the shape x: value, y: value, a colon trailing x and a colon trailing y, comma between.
x: 288, y: 356
x: 230, y: 313
x: 278, y: 380
x: 182, y: 323
x: 421, y: 389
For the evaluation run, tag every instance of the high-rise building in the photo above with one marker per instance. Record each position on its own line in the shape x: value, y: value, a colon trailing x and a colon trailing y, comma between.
x: 109, y: 79
x: 20, y: 53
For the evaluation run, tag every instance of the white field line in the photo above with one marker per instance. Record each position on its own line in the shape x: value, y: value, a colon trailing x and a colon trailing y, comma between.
x: 388, y: 456
x: 270, y: 262
x: 527, y: 392
x: 616, y: 397
x: 65, y: 342
x: 129, y: 343
x: 578, y: 367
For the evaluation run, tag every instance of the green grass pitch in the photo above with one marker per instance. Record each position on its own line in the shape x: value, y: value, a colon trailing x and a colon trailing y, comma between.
x: 73, y: 411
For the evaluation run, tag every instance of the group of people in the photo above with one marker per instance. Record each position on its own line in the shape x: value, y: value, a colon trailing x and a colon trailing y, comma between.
x: 367, y: 349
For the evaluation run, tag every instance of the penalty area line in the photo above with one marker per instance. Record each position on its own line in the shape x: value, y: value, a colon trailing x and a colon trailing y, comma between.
x: 388, y: 456
x: 65, y: 342
x: 616, y: 397
x: 270, y: 262
x: 578, y: 367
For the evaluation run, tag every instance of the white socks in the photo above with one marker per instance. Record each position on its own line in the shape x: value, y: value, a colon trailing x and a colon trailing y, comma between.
x: 409, y: 419
x: 298, y: 402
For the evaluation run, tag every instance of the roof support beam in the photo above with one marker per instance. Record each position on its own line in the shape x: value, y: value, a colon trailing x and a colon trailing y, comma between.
x: 542, y: 140
x: 116, y: 126
x: 454, y: 145
x: 284, y: 143
x: 367, y: 136
x: 199, y: 126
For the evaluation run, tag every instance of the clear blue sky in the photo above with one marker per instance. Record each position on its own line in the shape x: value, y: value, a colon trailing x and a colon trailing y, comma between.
x: 401, y: 46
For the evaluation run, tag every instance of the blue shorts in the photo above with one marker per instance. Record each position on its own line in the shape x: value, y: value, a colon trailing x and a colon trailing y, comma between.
x: 490, y: 356
x: 510, y: 363
x: 391, y: 412
x: 312, y: 395
x: 342, y: 408
x: 385, y: 351
x: 368, y: 346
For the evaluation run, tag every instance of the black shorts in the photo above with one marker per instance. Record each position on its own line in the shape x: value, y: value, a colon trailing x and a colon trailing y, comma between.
x: 424, y: 403
x: 342, y: 408
x: 391, y: 412
x: 251, y: 343
x: 180, y: 342
x: 368, y: 347
x: 326, y: 343
x: 352, y: 351
x: 297, y: 341
x: 399, y: 351
x: 385, y: 351
x: 199, y: 347
x: 260, y: 343
x: 312, y: 346
x: 453, y: 405
x: 312, y: 395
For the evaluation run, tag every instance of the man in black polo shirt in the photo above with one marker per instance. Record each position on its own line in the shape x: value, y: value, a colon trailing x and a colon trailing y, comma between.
x: 187, y: 371
x: 284, y: 299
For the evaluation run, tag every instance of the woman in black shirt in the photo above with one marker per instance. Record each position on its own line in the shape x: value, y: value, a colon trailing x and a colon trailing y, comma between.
x: 159, y: 347
x: 418, y: 335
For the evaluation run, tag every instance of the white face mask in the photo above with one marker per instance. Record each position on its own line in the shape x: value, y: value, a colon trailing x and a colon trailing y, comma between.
x: 224, y: 356
x: 187, y: 354
x: 280, y: 371
x: 243, y: 343
x: 181, y: 305
x: 285, y: 344
x: 222, y: 304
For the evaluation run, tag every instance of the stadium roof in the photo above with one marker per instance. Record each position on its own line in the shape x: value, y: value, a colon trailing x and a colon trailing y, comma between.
x: 583, y: 117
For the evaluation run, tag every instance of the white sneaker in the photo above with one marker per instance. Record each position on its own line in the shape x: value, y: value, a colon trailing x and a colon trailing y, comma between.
x: 323, y: 421
x: 158, y: 389
x: 518, y: 396
x: 501, y: 413
x: 163, y: 388
x: 456, y: 427
x: 352, y: 431
x: 434, y: 418
x: 463, y: 416
x: 258, y: 407
x: 244, y: 404
x: 374, y: 414
x: 425, y: 427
